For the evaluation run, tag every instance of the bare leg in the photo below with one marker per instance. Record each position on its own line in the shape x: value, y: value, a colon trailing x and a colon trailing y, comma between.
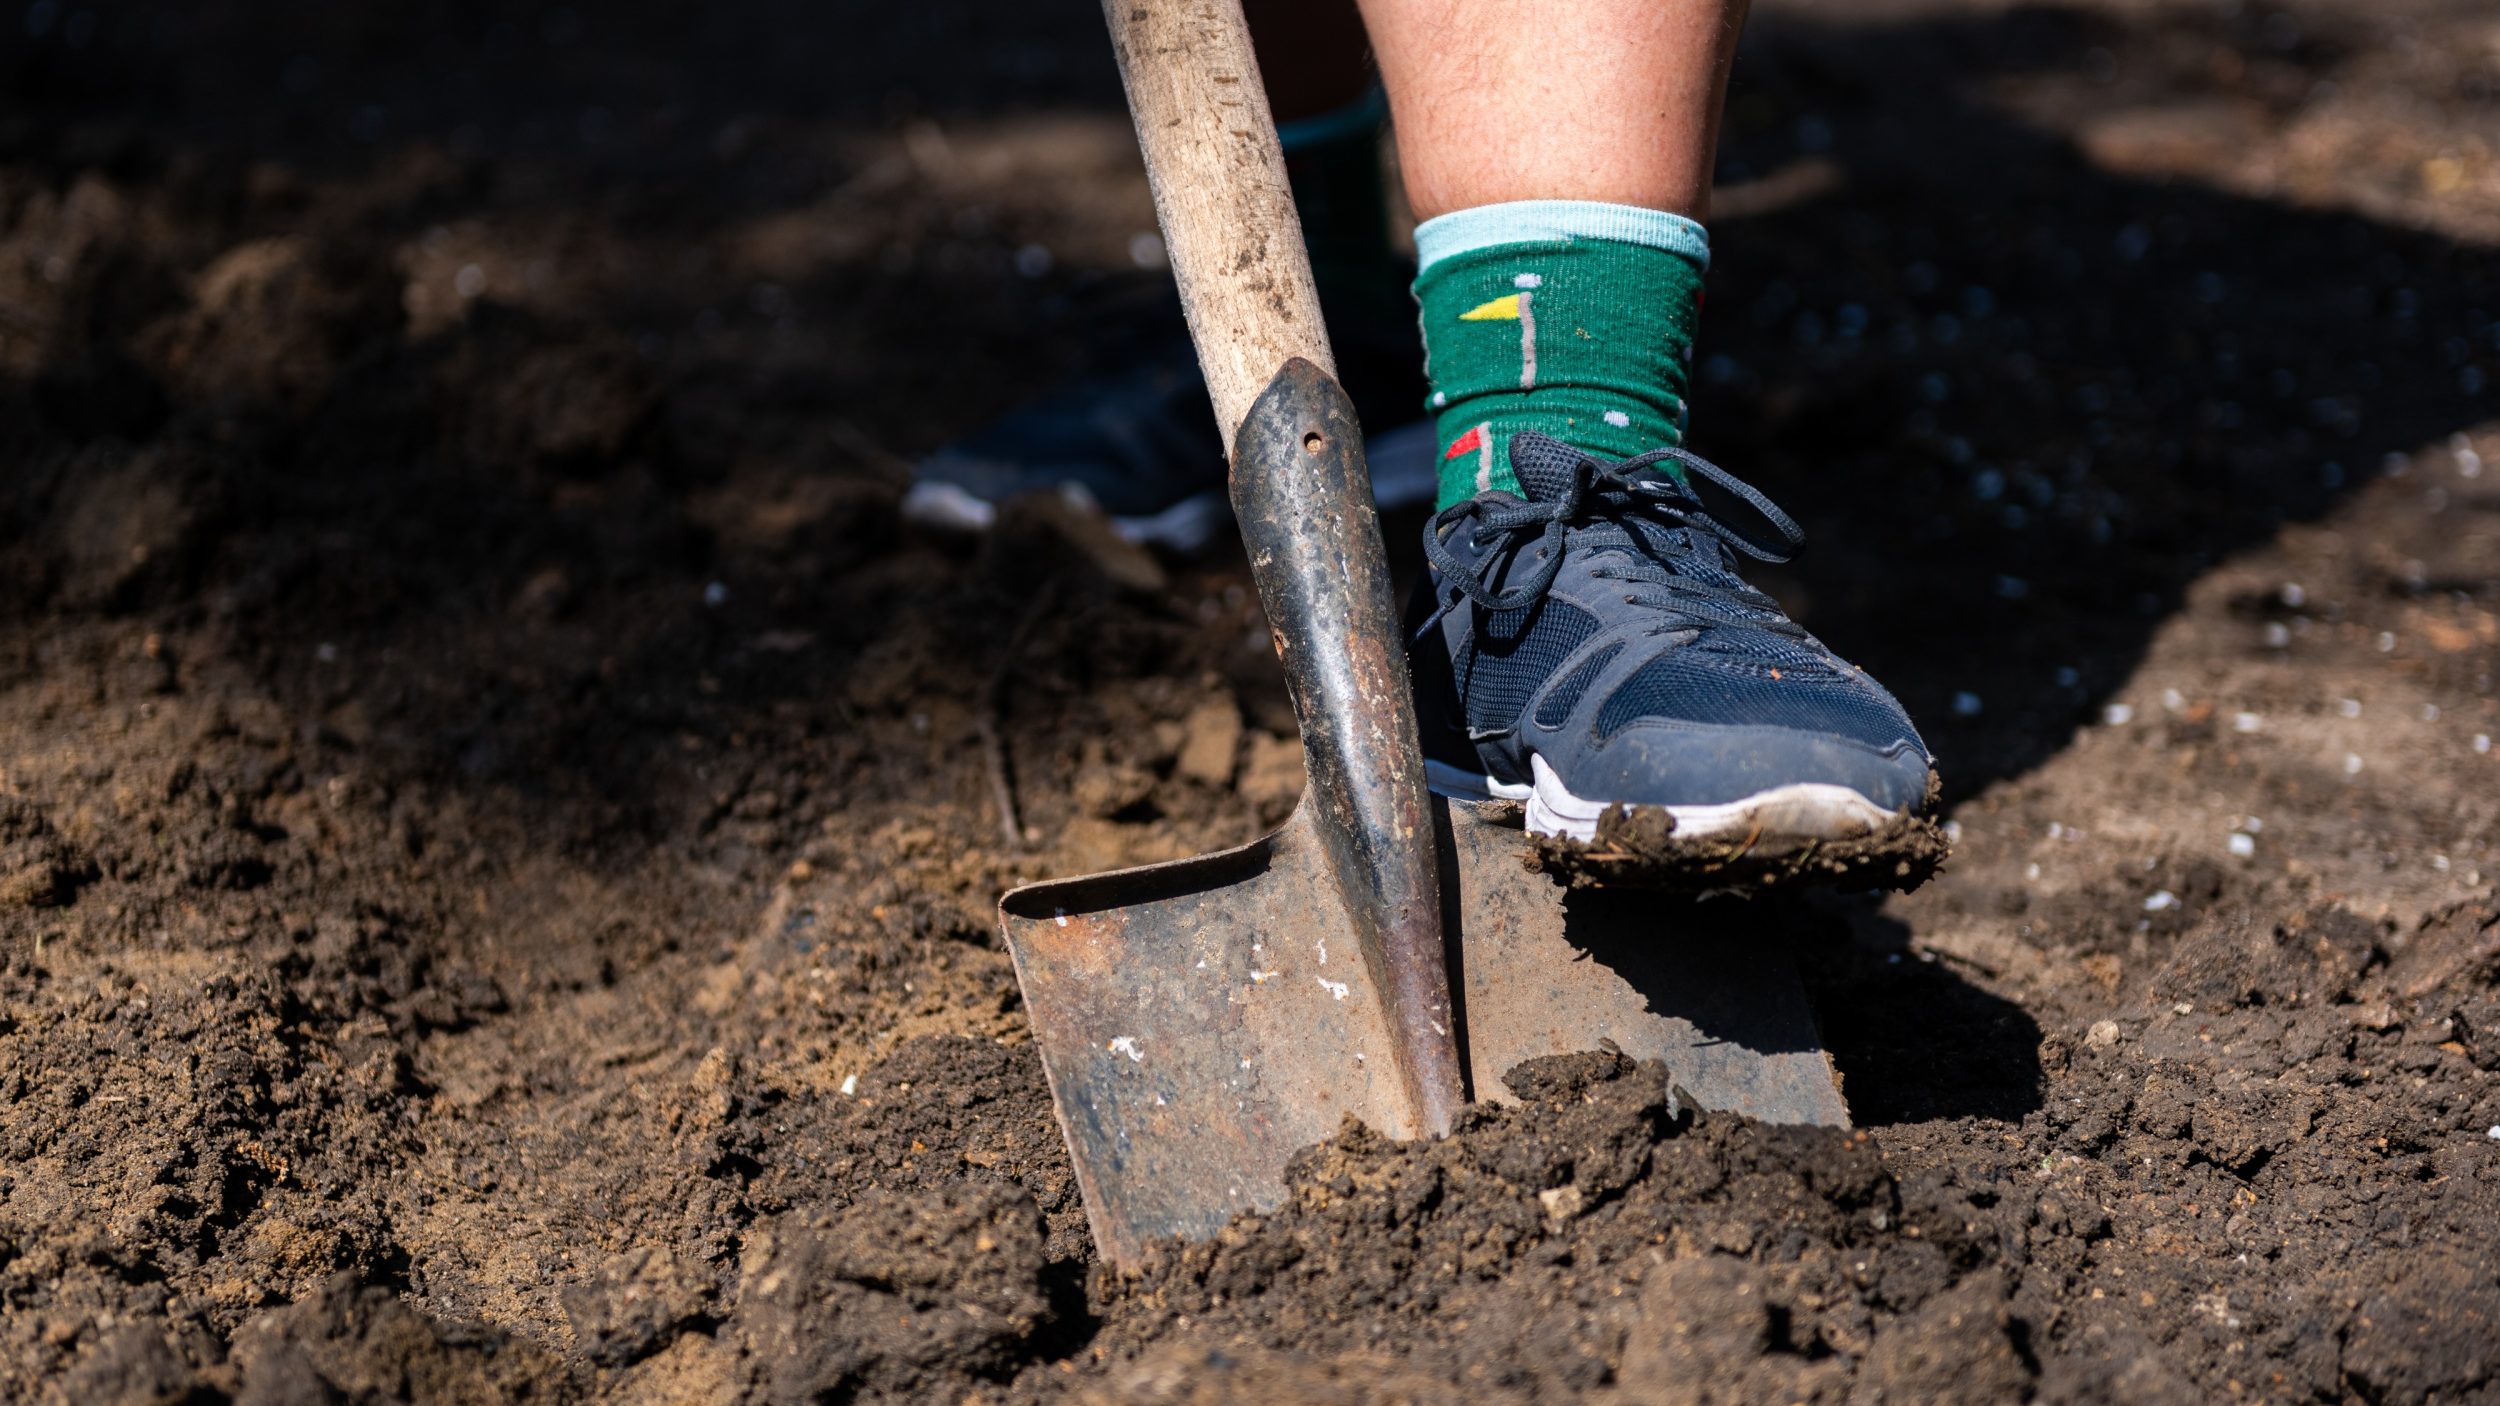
x: 1612, y: 100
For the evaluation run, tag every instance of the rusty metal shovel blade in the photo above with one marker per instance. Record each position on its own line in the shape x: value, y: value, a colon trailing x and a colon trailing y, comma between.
x: 1201, y: 1021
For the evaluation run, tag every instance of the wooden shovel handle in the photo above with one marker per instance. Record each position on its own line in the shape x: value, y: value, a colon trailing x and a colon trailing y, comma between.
x: 1304, y: 500
x: 1220, y: 192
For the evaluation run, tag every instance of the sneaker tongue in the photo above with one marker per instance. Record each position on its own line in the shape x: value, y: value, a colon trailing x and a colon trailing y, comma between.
x: 1543, y: 464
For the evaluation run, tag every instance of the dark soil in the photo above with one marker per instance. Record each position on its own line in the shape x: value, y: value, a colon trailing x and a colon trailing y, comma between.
x: 499, y: 819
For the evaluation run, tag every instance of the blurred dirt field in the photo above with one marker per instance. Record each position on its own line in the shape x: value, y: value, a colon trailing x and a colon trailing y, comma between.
x: 497, y: 848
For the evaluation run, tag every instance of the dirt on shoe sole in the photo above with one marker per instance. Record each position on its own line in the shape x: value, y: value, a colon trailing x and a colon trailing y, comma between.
x: 1641, y: 847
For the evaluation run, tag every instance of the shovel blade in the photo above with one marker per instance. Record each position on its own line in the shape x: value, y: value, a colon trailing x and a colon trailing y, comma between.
x: 1710, y: 989
x: 1202, y: 1021
x: 1199, y: 1022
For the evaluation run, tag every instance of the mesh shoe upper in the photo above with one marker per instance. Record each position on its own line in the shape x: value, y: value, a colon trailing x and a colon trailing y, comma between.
x: 1599, y: 623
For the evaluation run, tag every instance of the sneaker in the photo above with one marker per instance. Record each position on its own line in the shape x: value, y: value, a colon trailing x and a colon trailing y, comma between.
x: 1133, y: 444
x: 1590, y: 651
x: 1137, y: 444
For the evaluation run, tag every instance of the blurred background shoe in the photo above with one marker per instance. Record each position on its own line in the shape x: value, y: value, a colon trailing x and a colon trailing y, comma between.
x: 1139, y: 443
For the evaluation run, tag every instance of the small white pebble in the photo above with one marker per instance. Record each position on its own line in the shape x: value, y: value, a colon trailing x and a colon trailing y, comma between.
x: 1966, y: 705
x: 2172, y: 699
x: 2386, y: 642
x: 2352, y: 764
x: 2293, y: 595
x: 2117, y: 715
x: 716, y: 594
x: 2349, y: 707
x: 2241, y: 845
x: 2253, y: 825
x: 2246, y: 722
x: 2278, y: 635
x: 2482, y: 742
x: 2493, y: 1132
x: 2183, y: 1008
x: 2161, y: 899
x: 2440, y: 863
x: 2430, y: 712
x: 850, y: 1085
x: 1953, y: 832
x: 2031, y: 871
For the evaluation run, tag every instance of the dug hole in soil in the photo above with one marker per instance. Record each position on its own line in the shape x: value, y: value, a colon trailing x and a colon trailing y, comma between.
x: 499, y: 817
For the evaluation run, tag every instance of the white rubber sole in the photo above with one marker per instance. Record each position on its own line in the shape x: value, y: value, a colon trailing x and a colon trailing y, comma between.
x: 1807, y: 810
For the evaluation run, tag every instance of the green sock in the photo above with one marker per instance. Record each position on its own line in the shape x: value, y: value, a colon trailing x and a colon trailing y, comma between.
x: 1571, y: 317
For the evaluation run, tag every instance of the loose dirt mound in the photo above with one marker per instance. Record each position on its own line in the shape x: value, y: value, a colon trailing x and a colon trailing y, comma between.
x: 1596, y: 1236
x: 500, y: 818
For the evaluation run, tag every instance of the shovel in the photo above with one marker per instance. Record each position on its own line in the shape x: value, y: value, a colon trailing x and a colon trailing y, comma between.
x: 1383, y: 954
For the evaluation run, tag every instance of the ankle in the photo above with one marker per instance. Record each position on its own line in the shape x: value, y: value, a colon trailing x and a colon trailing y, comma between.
x: 1571, y: 318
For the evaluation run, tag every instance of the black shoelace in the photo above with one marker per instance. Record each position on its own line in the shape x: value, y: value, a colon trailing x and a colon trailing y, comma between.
x: 1659, y: 532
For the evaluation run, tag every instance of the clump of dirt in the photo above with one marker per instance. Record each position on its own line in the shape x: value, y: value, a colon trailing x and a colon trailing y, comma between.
x: 272, y: 321
x: 347, y: 1342
x: 895, y: 1296
x: 634, y: 1304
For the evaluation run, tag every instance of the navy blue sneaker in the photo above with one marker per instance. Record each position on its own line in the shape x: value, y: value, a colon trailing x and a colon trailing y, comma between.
x: 1589, y: 650
x: 1139, y: 445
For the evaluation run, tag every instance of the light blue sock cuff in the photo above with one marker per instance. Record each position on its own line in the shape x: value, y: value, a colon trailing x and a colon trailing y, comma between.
x: 1557, y: 221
